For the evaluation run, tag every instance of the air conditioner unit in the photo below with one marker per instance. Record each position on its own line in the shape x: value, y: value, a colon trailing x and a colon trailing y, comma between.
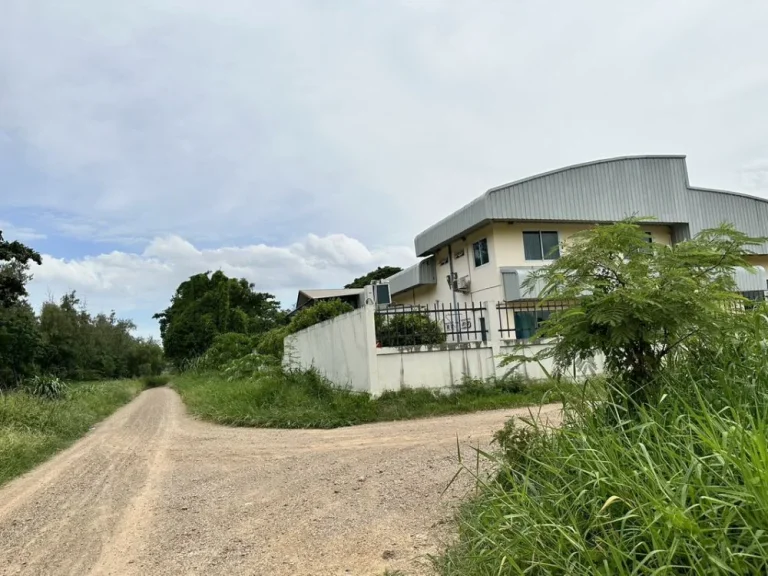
x: 462, y: 284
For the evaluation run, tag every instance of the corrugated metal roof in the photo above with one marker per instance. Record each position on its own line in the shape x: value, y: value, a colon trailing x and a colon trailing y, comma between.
x: 604, y: 191
x: 421, y: 273
x: 306, y: 296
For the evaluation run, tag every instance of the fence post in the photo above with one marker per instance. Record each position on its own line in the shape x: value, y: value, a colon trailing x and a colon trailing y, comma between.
x: 371, y: 350
x: 493, y: 337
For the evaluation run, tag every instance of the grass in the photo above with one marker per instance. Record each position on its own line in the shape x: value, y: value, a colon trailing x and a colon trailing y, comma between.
x: 33, y: 428
x: 677, y: 487
x: 275, y: 399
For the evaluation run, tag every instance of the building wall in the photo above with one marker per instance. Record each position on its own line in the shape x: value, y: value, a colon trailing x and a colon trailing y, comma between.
x: 505, y: 248
x: 343, y: 349
x: 432, y: 366
x: 758, y: 260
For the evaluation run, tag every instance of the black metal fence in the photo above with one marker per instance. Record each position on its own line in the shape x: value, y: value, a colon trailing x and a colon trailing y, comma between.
x: 419, y: 325
x: 521, y: 319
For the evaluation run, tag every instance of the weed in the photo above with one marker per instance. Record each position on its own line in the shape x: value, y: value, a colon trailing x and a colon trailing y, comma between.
x: 49, y: 387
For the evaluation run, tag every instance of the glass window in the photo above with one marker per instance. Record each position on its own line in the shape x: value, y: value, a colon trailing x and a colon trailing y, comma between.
x: 480, y: 249
x: 550, y: 245
x: 541, y: 245
x: 527, y: 323
x: 649, y: 237
x: 532, y: 245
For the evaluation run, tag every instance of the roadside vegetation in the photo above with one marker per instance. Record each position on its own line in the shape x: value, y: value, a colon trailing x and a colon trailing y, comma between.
x: 44, y: 359
x: 34, y: 427
x: 256, y: 391
x: 667, y: 471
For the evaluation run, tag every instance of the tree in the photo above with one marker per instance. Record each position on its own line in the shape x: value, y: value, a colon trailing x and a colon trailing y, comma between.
x: 381, y: 273
x: 208, y: 304
x: 638, y: 303
x: 19, y: 343
x: 14, y: 266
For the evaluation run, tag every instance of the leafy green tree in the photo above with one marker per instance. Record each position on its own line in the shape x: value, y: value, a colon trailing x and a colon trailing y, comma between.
x: 638, y: 303
x: 19, y: 343
x: 14, y: 270
x: 381, y: 273
x: 208, y: 304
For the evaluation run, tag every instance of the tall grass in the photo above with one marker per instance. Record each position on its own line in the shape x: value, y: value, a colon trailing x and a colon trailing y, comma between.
x: 32, y: 428
x: 676, y: 487
x: 264, y: 395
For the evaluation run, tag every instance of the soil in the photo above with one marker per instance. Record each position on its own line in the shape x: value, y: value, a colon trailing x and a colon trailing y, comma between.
x: 152, y: 491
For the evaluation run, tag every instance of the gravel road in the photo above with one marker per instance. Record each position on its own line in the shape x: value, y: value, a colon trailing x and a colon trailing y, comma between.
x: 151, y: 491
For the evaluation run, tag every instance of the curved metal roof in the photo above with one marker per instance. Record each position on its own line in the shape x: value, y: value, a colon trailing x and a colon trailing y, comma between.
x: 604, y: 191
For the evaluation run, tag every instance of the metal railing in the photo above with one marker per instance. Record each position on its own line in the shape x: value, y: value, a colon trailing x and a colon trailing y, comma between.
x: 419, y: 325
x: 520, y: 320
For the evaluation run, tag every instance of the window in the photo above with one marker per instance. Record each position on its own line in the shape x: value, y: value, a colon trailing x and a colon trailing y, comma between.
x: 541, y: 245
x: 527, y: 323
x: 480, y: 249
x: 649, y: 237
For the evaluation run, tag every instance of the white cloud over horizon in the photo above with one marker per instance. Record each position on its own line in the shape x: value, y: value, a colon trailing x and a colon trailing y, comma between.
x: 155, y: 138
x: 144, y: 282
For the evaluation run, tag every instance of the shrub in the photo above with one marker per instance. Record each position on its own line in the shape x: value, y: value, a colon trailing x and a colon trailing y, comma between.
x: 271, y: 343
x: 638, y: 305
x: 156, y: 381
x: 227, y: 347
x: 48, y: 386
x: 675, y: 487
x: 319, y: 312
x: 413, y: 329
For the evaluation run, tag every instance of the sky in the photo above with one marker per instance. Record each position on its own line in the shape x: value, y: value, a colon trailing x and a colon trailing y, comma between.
x: 302, y: 143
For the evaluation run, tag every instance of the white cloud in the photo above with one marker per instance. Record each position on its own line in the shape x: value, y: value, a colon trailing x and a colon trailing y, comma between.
x: 139, y: 284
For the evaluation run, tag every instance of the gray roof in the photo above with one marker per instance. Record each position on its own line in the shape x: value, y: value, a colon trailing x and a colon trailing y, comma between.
x: 421, y: 273
x: 605, y: 191
x: 306, y: 296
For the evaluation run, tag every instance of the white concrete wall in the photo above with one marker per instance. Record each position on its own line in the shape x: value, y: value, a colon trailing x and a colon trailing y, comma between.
x: 343, y: 349
x: 540, y: 370
x: 440, y: 366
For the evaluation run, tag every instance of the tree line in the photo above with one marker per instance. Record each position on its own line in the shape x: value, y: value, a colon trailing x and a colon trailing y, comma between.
x: 63, y: 339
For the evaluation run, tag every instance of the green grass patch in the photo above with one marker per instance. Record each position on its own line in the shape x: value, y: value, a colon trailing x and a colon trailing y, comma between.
x: 271, y: 398
x: 676, y: 487
x: 32, y: 428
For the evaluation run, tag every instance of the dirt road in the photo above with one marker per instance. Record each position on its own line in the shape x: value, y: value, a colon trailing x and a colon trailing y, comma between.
x: 152, y: 491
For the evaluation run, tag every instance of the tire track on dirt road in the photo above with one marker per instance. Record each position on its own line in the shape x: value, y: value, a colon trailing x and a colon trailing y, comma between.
x: 152, y: 491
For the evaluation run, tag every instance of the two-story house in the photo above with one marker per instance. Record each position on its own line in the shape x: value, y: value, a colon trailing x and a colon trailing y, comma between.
x: 483, y: 251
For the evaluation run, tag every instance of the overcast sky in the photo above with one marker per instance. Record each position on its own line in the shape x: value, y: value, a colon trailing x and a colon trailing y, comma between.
x: 302, y: 143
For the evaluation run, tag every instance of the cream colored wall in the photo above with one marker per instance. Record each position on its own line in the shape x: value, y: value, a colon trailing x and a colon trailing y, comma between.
x: 508, y: 239
x: 505, y: 248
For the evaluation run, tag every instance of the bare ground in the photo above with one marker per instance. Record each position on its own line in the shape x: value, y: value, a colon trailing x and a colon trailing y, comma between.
x: 152, y: 491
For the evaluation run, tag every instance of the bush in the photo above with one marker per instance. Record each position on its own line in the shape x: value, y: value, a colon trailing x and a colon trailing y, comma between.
x: 155, y: 381
x: 227, y: 347
x: 271, y: 343
x: 48, y: 386
x: 677, y: 487
x: 319, y: 312
x: 413, y: 329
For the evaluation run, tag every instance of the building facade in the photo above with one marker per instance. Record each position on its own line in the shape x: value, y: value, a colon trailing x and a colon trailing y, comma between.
x: 483, y: 251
